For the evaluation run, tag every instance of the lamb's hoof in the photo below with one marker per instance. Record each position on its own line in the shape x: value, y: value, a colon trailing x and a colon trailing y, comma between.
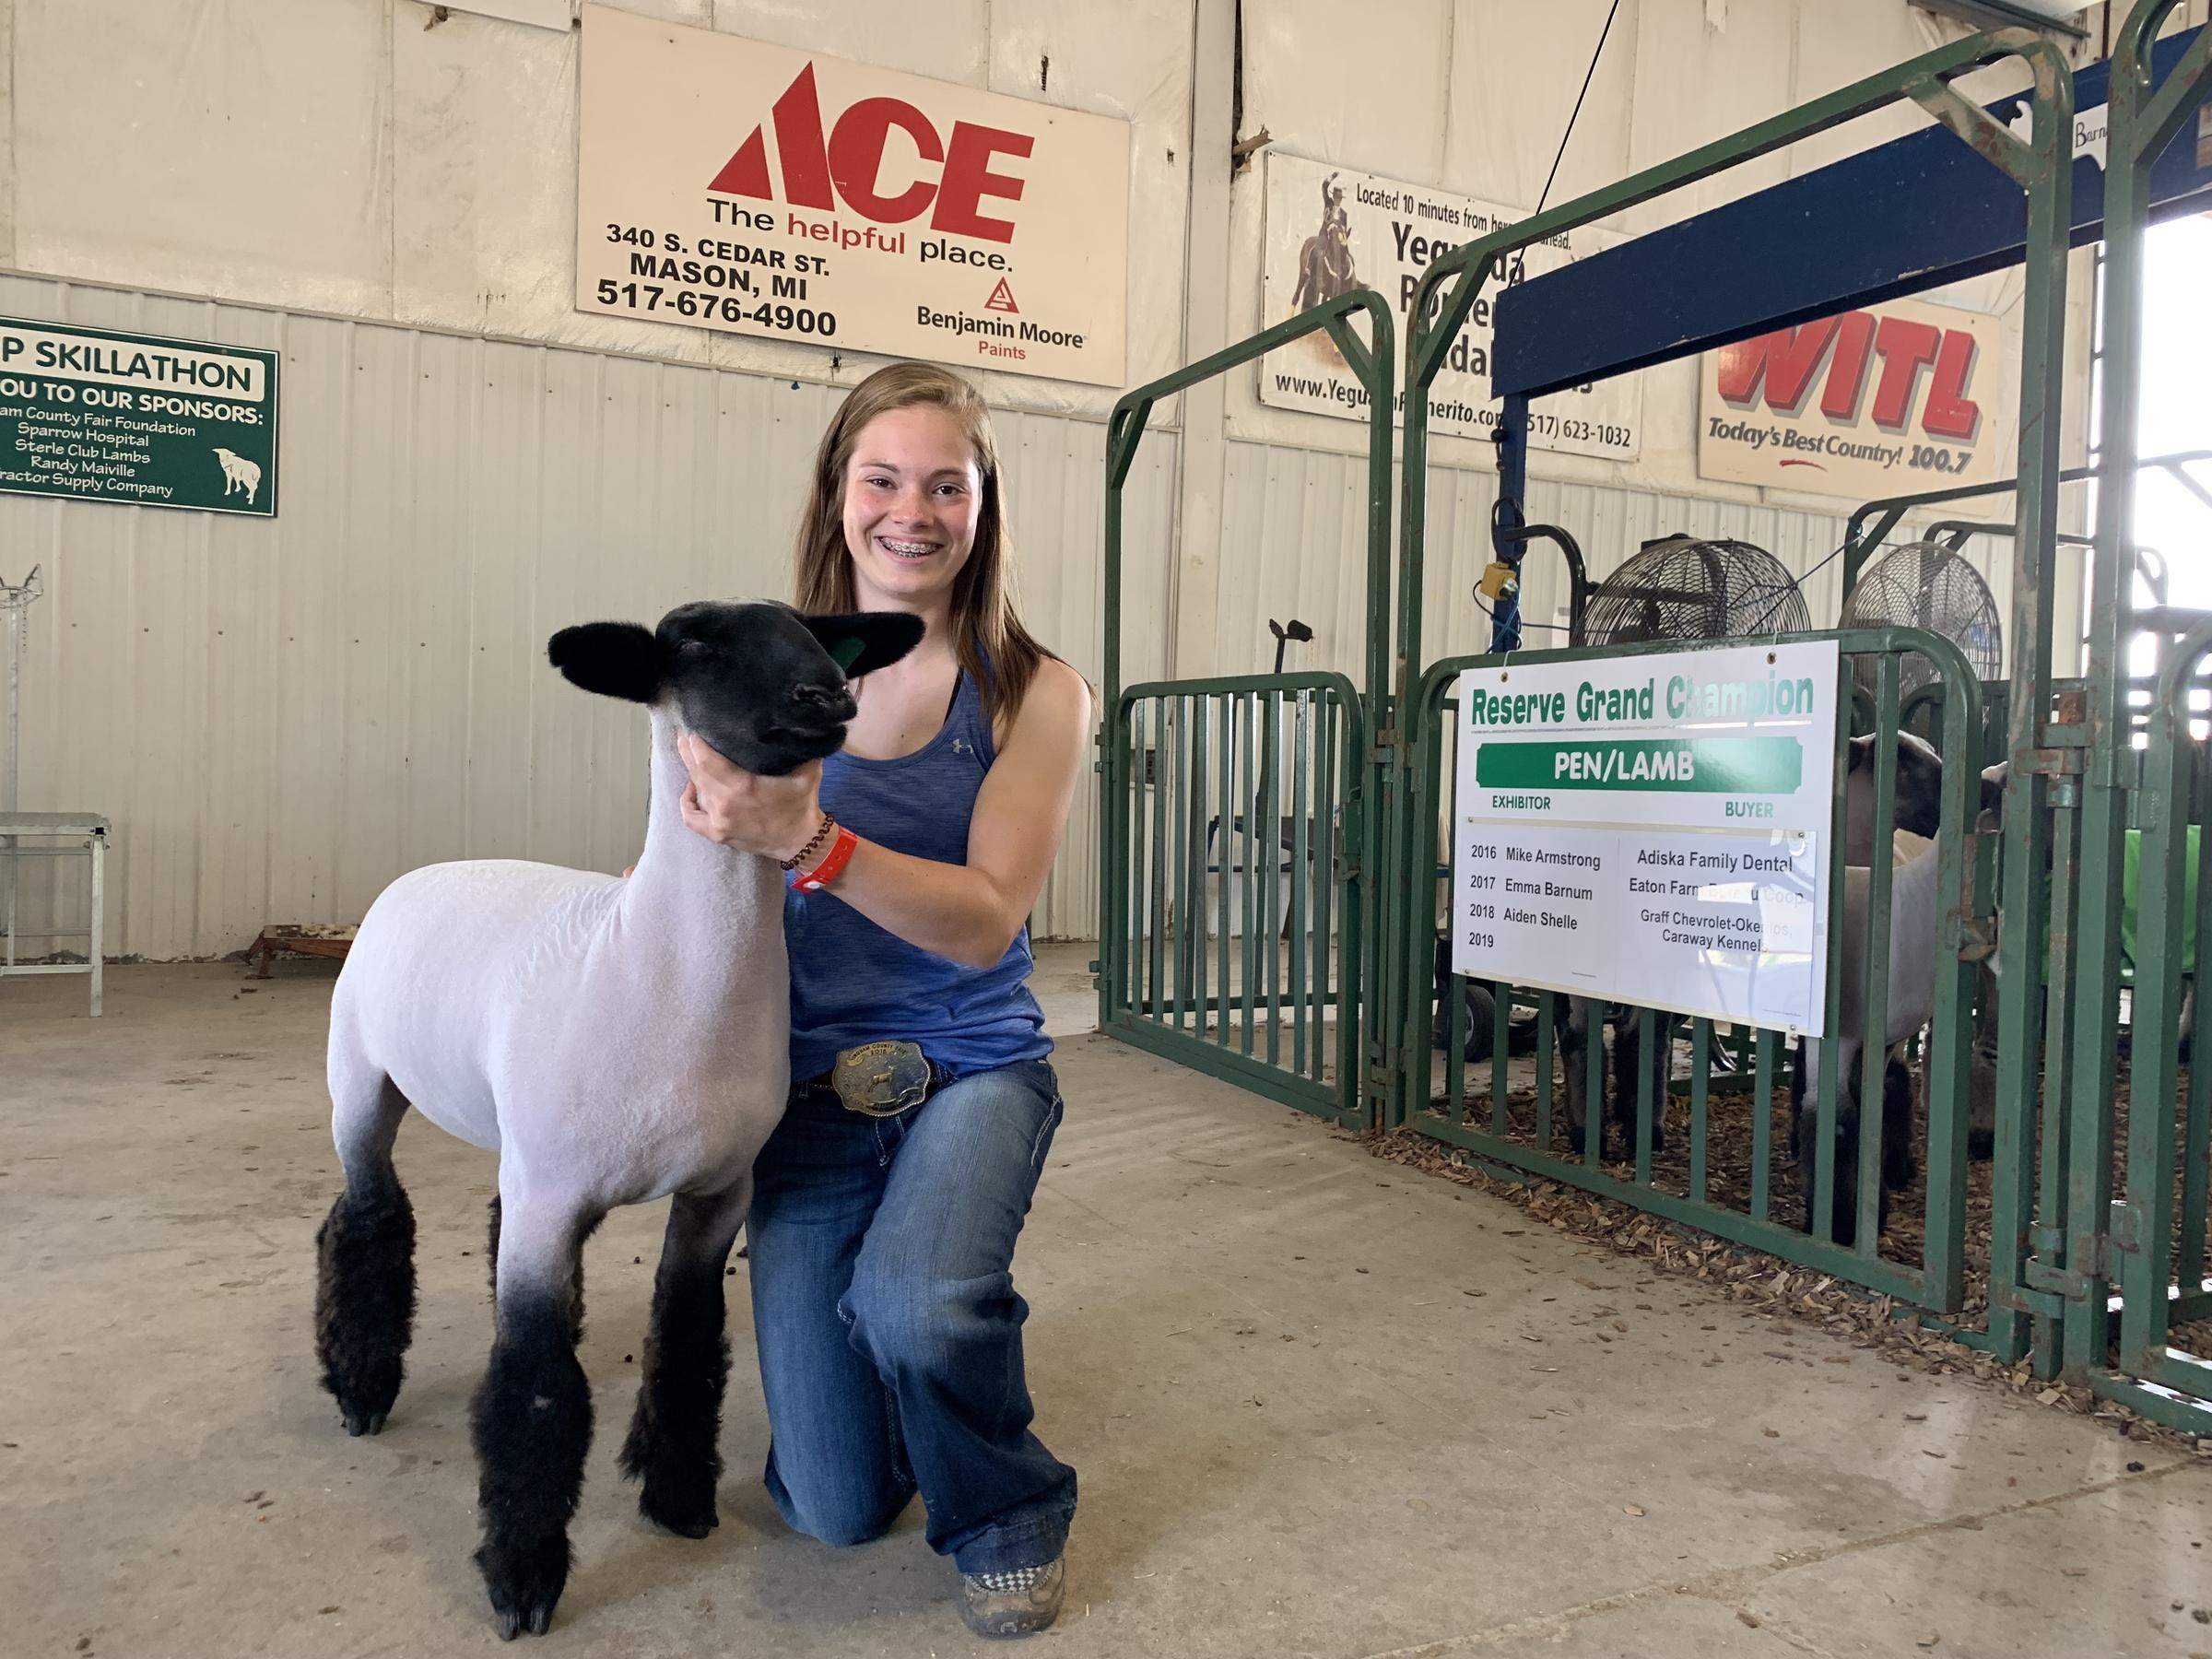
x: 513, y: 1623
x: 364, y: 1422
x: 525, y: 1584
x: 685, y: 1520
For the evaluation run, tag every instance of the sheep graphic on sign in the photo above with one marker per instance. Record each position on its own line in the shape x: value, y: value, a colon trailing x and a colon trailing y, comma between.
x: 239, y: 473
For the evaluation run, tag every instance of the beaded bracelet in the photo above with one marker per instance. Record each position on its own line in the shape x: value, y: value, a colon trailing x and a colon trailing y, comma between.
x: 828, y: 828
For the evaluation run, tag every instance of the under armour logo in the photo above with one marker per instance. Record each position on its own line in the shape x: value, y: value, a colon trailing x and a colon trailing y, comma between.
x: 960, y: 746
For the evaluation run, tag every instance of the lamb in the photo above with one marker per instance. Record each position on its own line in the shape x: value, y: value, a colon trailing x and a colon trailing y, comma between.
x: 1915, y: 910
x: 1917, y: 803
x: 614, y: 1042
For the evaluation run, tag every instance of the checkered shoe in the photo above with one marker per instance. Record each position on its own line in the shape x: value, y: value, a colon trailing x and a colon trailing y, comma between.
x: 1019, y: 1603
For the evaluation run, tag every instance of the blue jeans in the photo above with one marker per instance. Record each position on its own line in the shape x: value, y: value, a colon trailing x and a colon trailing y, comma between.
x: 888, y: 1330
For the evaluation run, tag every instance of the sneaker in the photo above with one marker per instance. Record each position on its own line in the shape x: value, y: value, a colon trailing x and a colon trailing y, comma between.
x: 1019, y: 1603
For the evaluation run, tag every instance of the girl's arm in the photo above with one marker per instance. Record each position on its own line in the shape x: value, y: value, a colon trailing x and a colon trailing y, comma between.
x: 967, y: 912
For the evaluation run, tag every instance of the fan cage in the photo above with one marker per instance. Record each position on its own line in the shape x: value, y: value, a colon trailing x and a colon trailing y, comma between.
x: 1681, y: 589
x: 1929, y: 585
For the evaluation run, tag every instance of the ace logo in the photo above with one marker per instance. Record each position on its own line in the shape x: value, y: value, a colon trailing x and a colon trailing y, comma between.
x: 820, y: 168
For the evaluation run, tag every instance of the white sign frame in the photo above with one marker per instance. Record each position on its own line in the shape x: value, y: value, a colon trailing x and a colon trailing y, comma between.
x: 751, y: 189
x: 1597, y: 850
x: 1881, y: 400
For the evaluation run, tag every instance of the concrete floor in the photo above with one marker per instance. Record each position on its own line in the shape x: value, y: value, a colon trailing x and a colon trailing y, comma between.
x: 1319, y: 1404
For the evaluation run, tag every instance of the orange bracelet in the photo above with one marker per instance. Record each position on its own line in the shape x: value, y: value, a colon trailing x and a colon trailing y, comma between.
x: 832, y: 866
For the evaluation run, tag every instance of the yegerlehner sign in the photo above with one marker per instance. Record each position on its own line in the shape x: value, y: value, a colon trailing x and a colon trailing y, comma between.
x: 1651, y: 829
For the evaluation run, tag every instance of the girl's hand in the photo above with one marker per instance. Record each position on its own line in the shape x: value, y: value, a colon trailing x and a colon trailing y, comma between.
x: 775, y: 818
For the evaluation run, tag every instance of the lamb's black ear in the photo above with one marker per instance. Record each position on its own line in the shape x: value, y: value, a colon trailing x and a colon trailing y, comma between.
x: 615, y: 659
x: 861, y: 640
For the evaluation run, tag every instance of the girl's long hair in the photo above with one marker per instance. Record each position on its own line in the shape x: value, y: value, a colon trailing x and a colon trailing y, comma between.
x: 993, y: 646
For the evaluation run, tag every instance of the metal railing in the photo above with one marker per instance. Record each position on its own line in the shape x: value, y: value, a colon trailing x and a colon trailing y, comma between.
x: 1243, y: 925
x: 1735, y: 1178
x: 1196, y: 775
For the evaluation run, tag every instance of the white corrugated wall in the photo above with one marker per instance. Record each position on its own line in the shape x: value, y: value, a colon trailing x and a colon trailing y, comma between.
x: 282, y: 715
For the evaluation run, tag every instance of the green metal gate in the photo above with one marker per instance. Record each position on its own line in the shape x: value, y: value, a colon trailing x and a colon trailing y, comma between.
x: 1735, y: 1185
x: 1313, y: 804
x: 2158, y: 1224
x: 1239, y: 816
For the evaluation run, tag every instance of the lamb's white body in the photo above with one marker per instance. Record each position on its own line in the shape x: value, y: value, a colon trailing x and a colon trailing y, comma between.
x: 613, y: 1040
x: 614, y: 1043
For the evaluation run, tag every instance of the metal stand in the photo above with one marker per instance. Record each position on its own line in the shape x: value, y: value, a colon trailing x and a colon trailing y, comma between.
x: 89, y: 833
x: 55, y: 830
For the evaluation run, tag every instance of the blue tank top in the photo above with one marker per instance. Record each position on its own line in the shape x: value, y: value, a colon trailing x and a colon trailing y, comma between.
x: 852, y: 982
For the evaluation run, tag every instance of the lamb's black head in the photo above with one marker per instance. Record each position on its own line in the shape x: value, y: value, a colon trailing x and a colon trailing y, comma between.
x: 759, y: 682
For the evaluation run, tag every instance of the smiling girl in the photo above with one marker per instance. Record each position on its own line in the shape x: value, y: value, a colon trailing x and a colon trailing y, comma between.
x: 887, y: 1204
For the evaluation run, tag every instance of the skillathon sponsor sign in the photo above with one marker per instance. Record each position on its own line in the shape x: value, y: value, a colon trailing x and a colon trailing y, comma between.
x: 723, y: 183
x: 1651, y: 829
x: 93, y: 414
x: 1330, y: 229
x: 1890, y: 400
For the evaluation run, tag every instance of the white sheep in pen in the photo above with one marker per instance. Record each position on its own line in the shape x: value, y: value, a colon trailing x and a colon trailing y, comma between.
x: 614, y: 1042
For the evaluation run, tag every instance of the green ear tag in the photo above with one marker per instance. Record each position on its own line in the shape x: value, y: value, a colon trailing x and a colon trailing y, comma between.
x: 847, y: 652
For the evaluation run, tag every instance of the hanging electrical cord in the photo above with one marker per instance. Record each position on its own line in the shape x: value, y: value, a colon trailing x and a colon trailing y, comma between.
x: 1521, y: 621
x: 1558, y: 156
x: 1587, y: 74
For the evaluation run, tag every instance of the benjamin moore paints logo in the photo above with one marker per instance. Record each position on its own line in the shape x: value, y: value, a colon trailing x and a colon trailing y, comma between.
x: 847, y: 162
x: 1851, y: 355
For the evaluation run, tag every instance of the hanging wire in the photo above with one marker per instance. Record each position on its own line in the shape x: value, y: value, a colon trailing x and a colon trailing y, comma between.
x: 1587, y: 73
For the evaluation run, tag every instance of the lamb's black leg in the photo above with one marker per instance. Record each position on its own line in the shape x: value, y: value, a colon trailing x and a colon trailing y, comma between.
x: 1898, y: 1166
x: 673, y: 1444
x: 1584, y: 1024
x: 531, y: 1422
x: 365, y: 1298
x: 1630, y: 1053
x: 365, y: 1256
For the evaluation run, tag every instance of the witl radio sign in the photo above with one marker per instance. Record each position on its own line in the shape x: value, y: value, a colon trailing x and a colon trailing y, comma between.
x: 723, y: 184
x: 1880, y: 402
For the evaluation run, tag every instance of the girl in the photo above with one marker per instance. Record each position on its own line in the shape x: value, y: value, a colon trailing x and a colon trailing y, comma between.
x: 886, y: 1203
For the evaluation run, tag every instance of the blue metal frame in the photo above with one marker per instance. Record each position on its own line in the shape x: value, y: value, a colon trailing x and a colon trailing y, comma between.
x: 1828, y: 241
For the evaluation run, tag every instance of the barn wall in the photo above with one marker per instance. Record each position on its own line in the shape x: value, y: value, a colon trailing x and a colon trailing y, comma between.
x: 280, y: 716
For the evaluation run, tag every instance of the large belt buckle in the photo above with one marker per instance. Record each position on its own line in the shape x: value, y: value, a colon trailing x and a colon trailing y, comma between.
x: 881, y: 1080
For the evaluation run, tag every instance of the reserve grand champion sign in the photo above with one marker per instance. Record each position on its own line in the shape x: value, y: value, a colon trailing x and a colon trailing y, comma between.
x: 723, y: 184
x: 93, y: 414
x: 1886, y: 401
x: 1330, y: 229
x: 1651, y: 829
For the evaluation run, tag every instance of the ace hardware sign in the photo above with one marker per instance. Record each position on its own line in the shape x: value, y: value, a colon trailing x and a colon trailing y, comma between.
x: 725, y: 183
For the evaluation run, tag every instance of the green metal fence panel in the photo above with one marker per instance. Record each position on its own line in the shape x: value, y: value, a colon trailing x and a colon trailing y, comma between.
x: 2156, y: 1227
x: 1232, y: 843
x: 1222, y: 801
x: 1506, y: 1113
x: 2130, y: 1242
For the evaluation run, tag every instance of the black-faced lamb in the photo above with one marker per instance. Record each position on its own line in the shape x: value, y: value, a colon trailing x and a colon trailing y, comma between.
x: 1915, y: 911
x: 1917, y: 805
x: 614, y: 1042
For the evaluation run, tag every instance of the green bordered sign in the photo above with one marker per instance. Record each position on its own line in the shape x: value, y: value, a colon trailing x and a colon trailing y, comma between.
x: 1651, y: 829
x: 92, y: 415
